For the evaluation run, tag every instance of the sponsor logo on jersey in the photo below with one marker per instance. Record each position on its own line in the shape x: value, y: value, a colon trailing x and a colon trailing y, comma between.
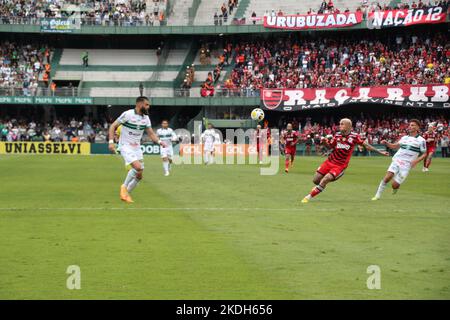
x: 343, y: 146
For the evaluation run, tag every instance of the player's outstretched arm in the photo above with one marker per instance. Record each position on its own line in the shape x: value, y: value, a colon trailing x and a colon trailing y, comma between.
x: 112, y: 130
x: 372, y: 148
x: 393, y: 146
x: 155, y: 138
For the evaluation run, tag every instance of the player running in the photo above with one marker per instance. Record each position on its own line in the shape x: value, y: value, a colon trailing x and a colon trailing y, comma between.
x: 431, y: 139
x: 333, y: 168
x: 168, y: 136
x: 134, y: 122
x: 262, y: 137
x: 408, y: 155
x: 289, y: 138
x: 209, y: 137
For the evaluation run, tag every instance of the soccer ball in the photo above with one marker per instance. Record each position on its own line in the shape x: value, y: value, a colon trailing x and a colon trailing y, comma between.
x: 257, y: 114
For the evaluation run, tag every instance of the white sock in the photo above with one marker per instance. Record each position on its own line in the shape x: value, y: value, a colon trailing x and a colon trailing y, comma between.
x: 166, y: 166
x: 381, y: 188
x: 206, y: 157
x: 130, y: 176
x: 212, y: 159
x: 132, y: 184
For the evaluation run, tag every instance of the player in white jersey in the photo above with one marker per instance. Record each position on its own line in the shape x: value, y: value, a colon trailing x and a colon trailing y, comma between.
x: 134, y: 122
x: 411, y: 151
x: 168, y: 136
x: 208, y: 138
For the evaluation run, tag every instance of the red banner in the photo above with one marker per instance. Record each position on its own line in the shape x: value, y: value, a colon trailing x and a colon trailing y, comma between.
x: 313, y: 21
x: 406, y: 17
x: 426, y: 96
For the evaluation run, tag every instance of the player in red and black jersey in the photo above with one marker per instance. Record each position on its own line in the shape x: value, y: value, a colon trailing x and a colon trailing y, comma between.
x: 262, y: 140
x: 431, y: 138
x: 290, y: 139
x: 343, y: 143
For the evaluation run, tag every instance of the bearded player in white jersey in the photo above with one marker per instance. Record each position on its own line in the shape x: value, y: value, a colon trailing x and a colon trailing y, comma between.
x: 209, y: 137
x: 134, y: 122
x: 168, y: 136
x: 411, y: 151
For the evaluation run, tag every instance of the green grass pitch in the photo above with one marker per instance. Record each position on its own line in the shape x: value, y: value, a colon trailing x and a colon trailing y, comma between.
x: 220, y: 232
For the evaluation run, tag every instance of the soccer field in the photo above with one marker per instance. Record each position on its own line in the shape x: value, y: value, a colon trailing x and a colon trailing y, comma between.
x: 220, y: 232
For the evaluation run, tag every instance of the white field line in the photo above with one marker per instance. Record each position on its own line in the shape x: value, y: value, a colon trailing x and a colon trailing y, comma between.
x: 161, y: 209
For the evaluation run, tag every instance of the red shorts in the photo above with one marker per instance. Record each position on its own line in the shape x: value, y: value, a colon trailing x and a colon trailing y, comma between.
x: 259, y: 147
x: 337, y: 170
x: 290, y: 150
x: 431, y: 150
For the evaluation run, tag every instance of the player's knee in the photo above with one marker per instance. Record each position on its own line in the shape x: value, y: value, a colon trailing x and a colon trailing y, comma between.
x: 395, y: 185
x: 139, y: 173
x: 316, y: 180
x: 328, y: 178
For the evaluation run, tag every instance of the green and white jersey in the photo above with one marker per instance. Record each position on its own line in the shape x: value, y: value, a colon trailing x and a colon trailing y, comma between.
x: 166, y: 135
x: 208, y: 136
x: 133, y: 127
x: 410, y: 148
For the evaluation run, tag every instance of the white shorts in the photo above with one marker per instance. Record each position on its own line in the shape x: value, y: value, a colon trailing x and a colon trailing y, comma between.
x: 209, y: 147
x: 166, y: 152
x: 131, y: 154
x: 400, y: 169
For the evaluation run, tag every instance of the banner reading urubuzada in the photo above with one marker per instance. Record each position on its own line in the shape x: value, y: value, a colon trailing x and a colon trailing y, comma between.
x: 420, y: 96
x: 74, y: 148
x: 406, y: 17
x: 313, y: 21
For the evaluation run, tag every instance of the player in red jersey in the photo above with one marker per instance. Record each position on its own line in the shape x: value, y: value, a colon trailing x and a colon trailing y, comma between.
x: 431, y: 138
x: 333, y: 168
x: 262, y: 140
x: 289, y: 138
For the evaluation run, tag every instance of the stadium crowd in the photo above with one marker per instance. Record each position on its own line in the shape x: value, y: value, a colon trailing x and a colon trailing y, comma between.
x: 390, y: 127
x: 390, y: 59
x: 22, y: 65
x: 374, y: 129
x: 225, y: 11
x: 328, y: 6
x: 71, y: 130
x: 99, y: 12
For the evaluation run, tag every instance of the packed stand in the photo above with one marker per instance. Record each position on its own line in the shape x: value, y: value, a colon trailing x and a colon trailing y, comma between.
x: 98, y: 12
x: 339, y: 62
x: 21, y: 67
x: 72, y: 130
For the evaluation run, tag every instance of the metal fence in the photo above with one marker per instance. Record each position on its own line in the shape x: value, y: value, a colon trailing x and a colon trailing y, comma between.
x: 132, y: 92
x: 33, y: 92
x: 88, y: 21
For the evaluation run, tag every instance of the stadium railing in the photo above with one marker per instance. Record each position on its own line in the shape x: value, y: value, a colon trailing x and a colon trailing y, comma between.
x: 219, y: 92
x: 40, y: 91
x: 132, y: 92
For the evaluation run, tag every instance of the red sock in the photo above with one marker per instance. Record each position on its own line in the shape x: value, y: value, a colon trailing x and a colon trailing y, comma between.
x: 427, y: 163
x: 315, y: 191
x: 286, y: 164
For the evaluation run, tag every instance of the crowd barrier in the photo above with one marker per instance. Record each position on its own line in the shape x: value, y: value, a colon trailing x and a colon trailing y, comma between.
x: 86, y: 148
